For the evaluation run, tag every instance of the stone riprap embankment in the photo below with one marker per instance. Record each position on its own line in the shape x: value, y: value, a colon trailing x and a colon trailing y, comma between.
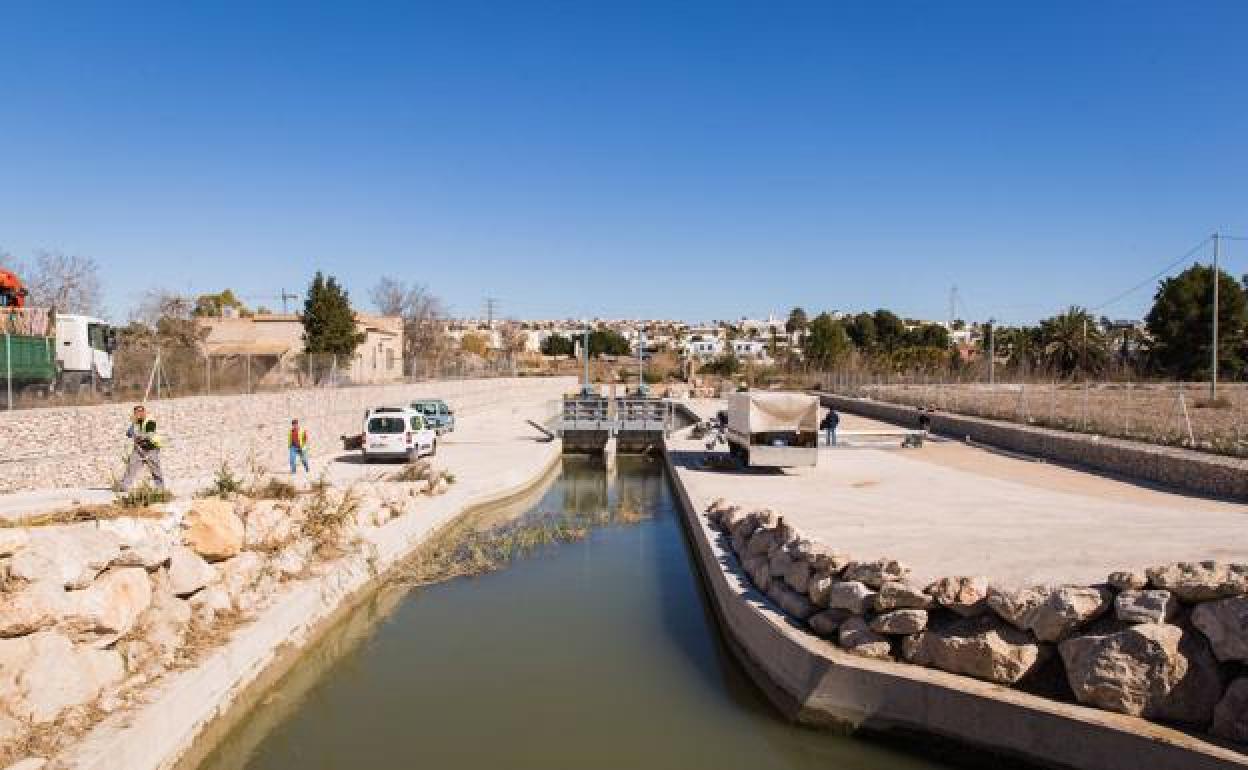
x: 1185, y: 469
x: 86, y: 446
x: 122, y: 637
x: 1169, y: 644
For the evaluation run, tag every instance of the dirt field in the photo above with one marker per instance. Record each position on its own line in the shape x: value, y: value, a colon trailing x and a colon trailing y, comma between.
x: 1173, y: 414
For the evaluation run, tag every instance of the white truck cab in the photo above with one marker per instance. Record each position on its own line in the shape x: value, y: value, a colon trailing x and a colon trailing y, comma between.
x: 84, y: 351
x: 397, y: 432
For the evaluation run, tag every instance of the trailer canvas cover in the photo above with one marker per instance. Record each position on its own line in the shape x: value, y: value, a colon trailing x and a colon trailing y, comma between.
x: 774, y: 412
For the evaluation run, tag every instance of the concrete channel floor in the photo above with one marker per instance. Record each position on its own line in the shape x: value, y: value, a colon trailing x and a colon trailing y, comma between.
x: 486, y: 443
x: 953, y: 509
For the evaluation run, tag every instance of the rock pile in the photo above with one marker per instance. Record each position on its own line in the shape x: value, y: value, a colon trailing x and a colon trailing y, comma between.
x: 92, y: 611
x: 1170, y: 644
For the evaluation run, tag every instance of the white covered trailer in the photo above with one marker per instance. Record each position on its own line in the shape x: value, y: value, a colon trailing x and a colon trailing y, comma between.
x: 769, y: 429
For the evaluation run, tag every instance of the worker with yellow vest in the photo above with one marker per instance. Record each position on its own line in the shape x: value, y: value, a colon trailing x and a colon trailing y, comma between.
x: 145, y: 449
x: 298, y: 443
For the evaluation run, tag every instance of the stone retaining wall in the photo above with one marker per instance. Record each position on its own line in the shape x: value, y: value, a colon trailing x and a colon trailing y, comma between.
x: 86, y: 446
x: 1183, y: 469
x: 1169, y: 645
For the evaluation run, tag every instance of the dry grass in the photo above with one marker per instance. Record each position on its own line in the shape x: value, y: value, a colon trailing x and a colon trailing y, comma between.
x: 327, y: 518
x: 83, y: 513
x: 274, y: 489
x: 1153, y: 413
x: 420, y: 470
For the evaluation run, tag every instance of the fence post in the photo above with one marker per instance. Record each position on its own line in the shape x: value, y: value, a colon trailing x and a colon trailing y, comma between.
x: 1085, y: 406
x: 8, y: 370
x: 1126, y: 427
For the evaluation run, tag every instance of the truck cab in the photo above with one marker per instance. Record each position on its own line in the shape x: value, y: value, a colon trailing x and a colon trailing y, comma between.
x: 84, y: 351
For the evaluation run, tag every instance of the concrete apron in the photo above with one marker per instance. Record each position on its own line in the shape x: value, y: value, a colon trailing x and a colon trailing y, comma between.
x: 814, y: 682
x: 184, y: 706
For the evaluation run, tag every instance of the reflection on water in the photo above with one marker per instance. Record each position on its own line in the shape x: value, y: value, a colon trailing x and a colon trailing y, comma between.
x: 599, y: 653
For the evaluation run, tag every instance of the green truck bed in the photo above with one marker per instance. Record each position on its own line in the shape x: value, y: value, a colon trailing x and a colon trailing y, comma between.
x: 28, y: 360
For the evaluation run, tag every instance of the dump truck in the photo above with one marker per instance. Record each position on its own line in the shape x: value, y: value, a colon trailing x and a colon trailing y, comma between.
x: 42, y: 352
x: 772, y: 429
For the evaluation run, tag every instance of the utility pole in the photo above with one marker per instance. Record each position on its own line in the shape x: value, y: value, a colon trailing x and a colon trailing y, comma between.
x: 1213, y: 369
x: 992, y: 351
x: 953, y: 305
x: 491, y: 304
x: 641, y: 362
x: 285, y: 296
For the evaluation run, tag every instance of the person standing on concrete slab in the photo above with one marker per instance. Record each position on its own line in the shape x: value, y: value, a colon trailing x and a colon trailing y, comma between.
x: 297, y: 442
x: 145, y: 449
x: 829, y: 423
x: 925, y: 420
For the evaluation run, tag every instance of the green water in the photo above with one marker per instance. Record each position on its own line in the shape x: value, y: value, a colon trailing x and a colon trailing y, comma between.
x: 595, y: 654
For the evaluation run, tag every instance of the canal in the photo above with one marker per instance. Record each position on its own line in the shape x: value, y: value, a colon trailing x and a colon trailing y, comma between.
x: 596, y: 653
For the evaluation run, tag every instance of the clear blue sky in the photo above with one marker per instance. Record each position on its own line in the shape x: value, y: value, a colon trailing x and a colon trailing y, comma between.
x: 682, y: 159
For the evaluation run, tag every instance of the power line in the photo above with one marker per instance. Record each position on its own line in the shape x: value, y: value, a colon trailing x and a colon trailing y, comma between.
x: 1186, y: 256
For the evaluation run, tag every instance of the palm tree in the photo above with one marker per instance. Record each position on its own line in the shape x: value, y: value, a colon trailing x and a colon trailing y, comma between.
x: 1073, y: 342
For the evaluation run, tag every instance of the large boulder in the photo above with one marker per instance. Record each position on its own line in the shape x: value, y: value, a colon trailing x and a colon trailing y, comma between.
x: 901, y: 596
x: 1200, y: 581
x: 798, y: 575
x: 853, y: 596
x: 875, y: 573
x: 964, y: 594
x: 981, y: 646
x: 1230, y: 717
x: 208, y: 604
x: 856, y: 636
x: 903, y: 622
x: 109, y: 607
x: 1145, y: 606
x: 760, y: 575
x: 1151, y: 670
x: 71, y: 555
x: 161, y: 630
x: 790, y: 601
x: 188, y: 572
x: 1125, y: 580
x: 43, y: 674
x: 828, y: 622
x: 146, y: 543
x: 213, y: 530
x: 239, y: 575
x: 1225, y: 624
x: 820, y: 557
x: 1051, y: 613
x: 270, y: 525
x: 819, y: 587
x: 31, y: 608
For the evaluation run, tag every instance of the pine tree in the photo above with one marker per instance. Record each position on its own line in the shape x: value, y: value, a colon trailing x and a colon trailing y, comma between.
x: 328, y: 320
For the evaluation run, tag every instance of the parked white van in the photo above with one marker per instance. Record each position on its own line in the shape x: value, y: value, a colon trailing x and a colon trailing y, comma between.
x: 396, y: 432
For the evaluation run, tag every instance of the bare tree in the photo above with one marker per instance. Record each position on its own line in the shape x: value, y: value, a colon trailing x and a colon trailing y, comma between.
x: 423, y: 314
x: 512, y: 338
x: 66, y: 282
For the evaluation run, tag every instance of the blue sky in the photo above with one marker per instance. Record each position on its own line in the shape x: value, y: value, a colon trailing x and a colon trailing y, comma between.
x: 682, y: 159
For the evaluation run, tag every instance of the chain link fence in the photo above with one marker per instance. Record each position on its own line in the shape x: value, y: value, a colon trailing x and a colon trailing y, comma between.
x: 154, y: 374
x: 1169, y: 413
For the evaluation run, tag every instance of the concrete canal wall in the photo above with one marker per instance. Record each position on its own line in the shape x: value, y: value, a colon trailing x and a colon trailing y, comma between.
x: 815, y: 681
x: 1184, y: 469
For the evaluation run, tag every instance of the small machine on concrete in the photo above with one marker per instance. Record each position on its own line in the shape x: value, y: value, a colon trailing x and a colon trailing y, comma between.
x: 773, y: 429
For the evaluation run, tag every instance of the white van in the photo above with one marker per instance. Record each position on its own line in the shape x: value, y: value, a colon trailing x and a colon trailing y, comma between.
x: 397, y: 433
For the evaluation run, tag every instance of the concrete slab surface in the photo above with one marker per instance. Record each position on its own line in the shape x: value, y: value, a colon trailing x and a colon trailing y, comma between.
x: 950, y: 509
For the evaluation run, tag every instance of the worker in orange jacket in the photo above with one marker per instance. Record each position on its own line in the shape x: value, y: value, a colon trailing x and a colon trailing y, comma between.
x: 297, y: 441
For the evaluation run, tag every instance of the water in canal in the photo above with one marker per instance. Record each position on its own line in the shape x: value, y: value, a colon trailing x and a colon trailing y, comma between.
x: 600, y: 653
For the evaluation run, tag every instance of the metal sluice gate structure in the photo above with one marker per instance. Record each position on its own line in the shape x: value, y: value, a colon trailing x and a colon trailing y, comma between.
x: 638, y: 425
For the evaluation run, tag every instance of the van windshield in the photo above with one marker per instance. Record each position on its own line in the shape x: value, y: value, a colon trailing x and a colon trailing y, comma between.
x: 386, y: 425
